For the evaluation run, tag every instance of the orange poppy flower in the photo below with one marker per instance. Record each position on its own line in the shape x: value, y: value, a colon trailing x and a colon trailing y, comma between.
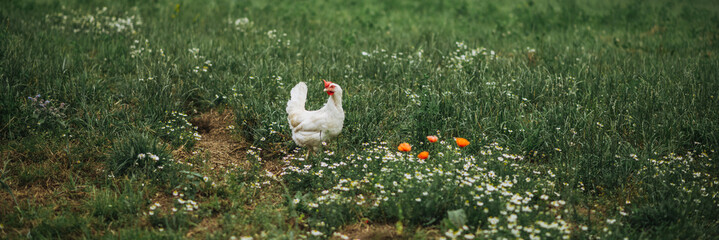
x: 404, y: 147
x: 461, y: 142
x: 423, y: 155
x: 432, y: 138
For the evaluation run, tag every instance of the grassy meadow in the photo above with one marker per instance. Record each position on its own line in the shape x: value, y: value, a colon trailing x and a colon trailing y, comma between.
x: 166, y: 119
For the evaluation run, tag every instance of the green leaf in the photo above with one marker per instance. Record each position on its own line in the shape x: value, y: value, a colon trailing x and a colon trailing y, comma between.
x: 9, y: 190
x: 191, y: 174
x: 400, y: 227
x: 458, y: 217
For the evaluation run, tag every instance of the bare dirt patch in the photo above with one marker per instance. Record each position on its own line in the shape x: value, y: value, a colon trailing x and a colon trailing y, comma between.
x: 41, y: 182
x: 224, y: 151
x: 207, y: 225
x: 365, y: 231
x: 221, y: 151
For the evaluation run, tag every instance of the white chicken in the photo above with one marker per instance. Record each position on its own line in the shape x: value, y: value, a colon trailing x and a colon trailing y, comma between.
x: 311, y: 128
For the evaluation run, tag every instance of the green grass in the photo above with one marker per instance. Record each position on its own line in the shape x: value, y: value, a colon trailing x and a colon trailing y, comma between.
x: 610, y: 107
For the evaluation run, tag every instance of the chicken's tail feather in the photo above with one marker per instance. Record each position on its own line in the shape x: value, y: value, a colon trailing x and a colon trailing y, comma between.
x: 298, y: 97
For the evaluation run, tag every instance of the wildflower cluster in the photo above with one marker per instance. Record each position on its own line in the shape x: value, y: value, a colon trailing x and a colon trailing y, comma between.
x: 46, y: 110
x: 385, y: 57
x: 691, y: 173
x: 563, y: 85
x: 463, y: 56
x: 273, y: 79
x: 139, y: 48
x: 180, y: 211
x: 385, y: 182
x: 413, y: 97
x: 150, y: 159
x: 45, y: 107
x: 278, y: 39
x: 261, y: 178
x: 99, y: 21
x: 690, y: 177
x: 241, y: 24
x: 152, y: 208
x: 505, y: 90
x: 205, y: 64
x: 182, y: 207
x: 272, y: 131
x: 179, y: 131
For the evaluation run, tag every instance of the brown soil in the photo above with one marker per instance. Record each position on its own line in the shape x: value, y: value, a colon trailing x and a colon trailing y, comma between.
x: 47, y: 185
x: 207, y: 225
x: 224, y: 151
x: 364, y: 231
x: 385, y: 231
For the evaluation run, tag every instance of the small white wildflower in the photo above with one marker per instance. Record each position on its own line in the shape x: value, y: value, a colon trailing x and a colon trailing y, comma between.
x: 341, y: 236
x: 315, y: 233
x: 512, y: 218
x: 453, y: 234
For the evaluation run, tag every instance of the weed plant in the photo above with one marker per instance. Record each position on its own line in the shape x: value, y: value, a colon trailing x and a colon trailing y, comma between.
x: 179, y: 131
x: 140, y: 155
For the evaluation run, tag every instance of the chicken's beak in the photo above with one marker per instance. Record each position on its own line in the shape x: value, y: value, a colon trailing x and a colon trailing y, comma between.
x: 328, y: 90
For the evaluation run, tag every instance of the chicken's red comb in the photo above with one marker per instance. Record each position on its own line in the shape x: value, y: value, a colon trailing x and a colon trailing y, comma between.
x: 327, y: 83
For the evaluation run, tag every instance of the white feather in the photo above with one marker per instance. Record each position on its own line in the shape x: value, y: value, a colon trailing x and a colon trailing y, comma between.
x: 311, y: 128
